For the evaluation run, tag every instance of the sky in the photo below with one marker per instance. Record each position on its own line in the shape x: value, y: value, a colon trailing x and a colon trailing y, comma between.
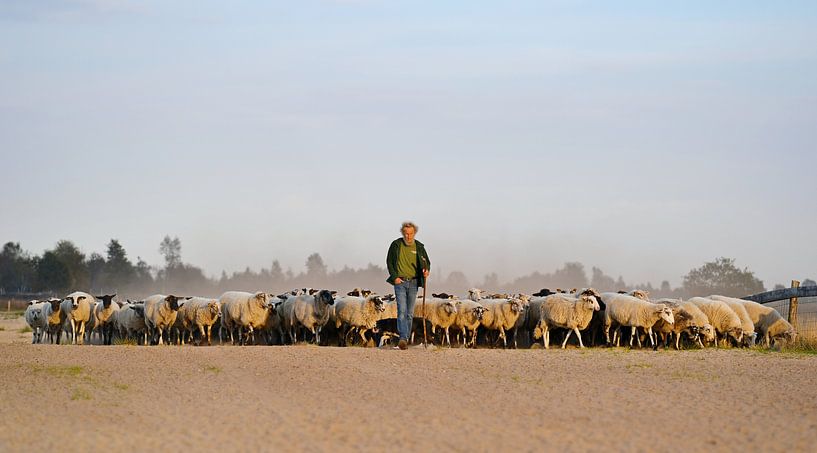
x: 645, y: 138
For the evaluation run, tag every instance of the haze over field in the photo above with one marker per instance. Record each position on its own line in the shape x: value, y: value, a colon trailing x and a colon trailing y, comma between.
x: 643, y: 138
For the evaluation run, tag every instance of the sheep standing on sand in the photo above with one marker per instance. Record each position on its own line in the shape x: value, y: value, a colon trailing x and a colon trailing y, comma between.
x: 722, y: 318
x: 308, y: 311
x: 200, y: 314
x: 104, y: 312
x: 242, y: 314
x: 76, y: 309
x: 54, y: 319
x: 35, y: 318
x: 746, y: 324
x: 160, y: 314
x: 565, y: 311
x: 630, y: 311
x: 355, y: 313
x: 769, y: 324
x: 469, y: 317
x: 501, y: 315
x: 439, y: 313
x: 129, y: 322
x: 685, y: 322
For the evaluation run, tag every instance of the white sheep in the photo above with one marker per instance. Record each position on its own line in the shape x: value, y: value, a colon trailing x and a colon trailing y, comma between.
x: 722, y: 318
x: 769, y: 324
x: 76, y: 309
x: 469, y: 317
x: 104, y: 312
x: 308, y: 311
x: 160, y: 314
x: 627, y: 310
x: 200, y: 313
x: 243, y: 313
x: 354, y: 313
x: 688, y: 319
x: 439, y: 313
x: 565, y: 311
x: 746, y: 324
x: 35, y: 318
x: 129, y: 322
x: 501, y: 315
x: 476, y: 294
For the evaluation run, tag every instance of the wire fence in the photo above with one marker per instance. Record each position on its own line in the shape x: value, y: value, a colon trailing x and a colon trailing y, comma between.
x: 806, y: 315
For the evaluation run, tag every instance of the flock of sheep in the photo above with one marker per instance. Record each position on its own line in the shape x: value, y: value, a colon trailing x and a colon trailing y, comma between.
x: 364, y: 318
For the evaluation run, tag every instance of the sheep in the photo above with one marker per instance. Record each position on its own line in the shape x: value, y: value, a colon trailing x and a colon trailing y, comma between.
x: 200, y: 314
x: 160, y: 314
x: 626, y: 310
x: 476, y: 294
x: 438, y: 313
x: 309, y: 311
x: 104, y: 314
x: 501, y: 315
x: 769, y: 324
x: 76, y: 309
x: 54, y: 319
x: 130, y: 322
x: 568, y: 312
x: 640, y: 294
x: 706, y: 330
x: 356, y: 313
x: 746, y: 324
x: 722, y: 318
x: 693, y: 322
x: 245, y: 312
x: 35, y: 319
x: 469, y: 316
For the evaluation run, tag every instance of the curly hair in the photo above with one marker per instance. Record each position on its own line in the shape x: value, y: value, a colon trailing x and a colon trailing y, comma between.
x: 408, y: 225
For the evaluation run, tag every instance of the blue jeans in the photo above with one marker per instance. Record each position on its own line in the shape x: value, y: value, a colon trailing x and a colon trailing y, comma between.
x: 406, y: 295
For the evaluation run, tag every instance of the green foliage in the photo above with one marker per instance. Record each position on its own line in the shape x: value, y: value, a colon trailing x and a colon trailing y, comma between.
x: 17, y: 269
x: 52, y: 273
x: 722, y: 277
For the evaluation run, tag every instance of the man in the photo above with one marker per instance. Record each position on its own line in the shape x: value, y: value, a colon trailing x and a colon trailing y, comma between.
x: 408, y: 266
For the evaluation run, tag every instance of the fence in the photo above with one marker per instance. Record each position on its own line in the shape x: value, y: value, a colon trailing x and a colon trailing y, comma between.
x: 805, y: 311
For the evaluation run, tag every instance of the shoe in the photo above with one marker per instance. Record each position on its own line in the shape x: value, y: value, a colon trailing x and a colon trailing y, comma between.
x: 402, y: 345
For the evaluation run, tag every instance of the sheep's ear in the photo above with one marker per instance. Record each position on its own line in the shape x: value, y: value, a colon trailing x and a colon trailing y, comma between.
x: 80, y: 298
x: 188, y: 297
x: 333, y: 293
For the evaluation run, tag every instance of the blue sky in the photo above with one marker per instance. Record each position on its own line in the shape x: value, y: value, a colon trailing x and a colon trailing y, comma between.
x: 641, y: 137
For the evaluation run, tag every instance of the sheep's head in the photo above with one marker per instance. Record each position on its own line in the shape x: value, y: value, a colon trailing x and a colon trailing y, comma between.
x: 36, y: 314
x: 640, y: 293
x: 788, y: 336
x: 106, y: 300
x: 665, y: 313
x: 450, y: 307
x: 589, y: 302
x: 475, y: 294
x: 479, y: 312
x: 736, y: 333
x: 749, y: 339
x: 139, y: 309
x: 214, y: 307
x: 172, y: 302
x: 55, y: 304
x: 516, y: 306
x: 708, y: 332
x: 378, y: 303
x: 75, y: 301
x: 325, y: 296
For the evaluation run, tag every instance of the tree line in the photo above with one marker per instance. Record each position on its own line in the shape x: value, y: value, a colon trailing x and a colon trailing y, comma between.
x: 66, y: 268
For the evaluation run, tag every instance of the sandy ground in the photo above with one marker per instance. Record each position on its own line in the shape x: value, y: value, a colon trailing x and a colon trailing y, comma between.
x: 316, y: 399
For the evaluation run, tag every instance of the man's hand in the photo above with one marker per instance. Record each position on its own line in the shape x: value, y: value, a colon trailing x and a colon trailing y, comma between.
x: 398, y: 280
x: 425, y: 273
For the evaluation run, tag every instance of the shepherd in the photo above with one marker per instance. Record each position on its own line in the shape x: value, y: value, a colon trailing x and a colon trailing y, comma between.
x: 408, y: 265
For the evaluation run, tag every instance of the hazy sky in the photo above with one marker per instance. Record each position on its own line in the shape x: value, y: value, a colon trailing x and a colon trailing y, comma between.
x: 641, y: 137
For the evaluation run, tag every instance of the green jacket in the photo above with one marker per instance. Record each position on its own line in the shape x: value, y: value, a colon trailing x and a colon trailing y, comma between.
x: 422, y: 261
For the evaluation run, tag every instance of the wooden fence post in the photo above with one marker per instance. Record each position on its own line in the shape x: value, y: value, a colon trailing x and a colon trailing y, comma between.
x: 793, y: 306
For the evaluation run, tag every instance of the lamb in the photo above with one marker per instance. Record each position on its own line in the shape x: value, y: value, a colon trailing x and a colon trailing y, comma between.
x: 54, y: 319
x: 104, y: 314
x: 469, y: 316
x: 769, y: 324
x: 160, y: 314
x: 501, y: 315
x: 200, y: 314
x: 356, y: 313
x: 309, y: 311
x: 565, y: 311
x: 245, y: 312
x: 626, y: 310
x: 440, y: 313
x: 36, y: 320
x: 130, y: 322
x: 76, y: 309
x: 746, y: 324
x: 722, y: 318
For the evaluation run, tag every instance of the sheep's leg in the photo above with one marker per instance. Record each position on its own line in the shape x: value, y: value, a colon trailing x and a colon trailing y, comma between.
x: 576, y: 329
x: 567, y: 337
x: 73, y: 332
x: 447, y: 338
x: 504, y: 337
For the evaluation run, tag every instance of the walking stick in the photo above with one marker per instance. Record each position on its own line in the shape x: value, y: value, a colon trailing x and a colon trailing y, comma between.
x: 425, y: 285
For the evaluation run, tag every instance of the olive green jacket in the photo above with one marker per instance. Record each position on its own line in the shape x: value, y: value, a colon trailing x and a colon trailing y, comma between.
x: 422, y: 261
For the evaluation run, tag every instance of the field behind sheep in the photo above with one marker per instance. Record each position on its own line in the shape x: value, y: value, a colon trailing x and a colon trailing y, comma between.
x: 325, y: 398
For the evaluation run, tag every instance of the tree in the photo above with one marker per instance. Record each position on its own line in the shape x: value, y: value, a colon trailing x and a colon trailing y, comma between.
x: 601, y: 282
x: 491, y: 282
x: 171, y: 249
x: 315, y: 268
x: 17, y: 269
x: 74, y: 261
x: 808, y: 282
x: 52, y: 273
x: 96, y: 271
x: 118, y: 268
x: 457, y: 283
x: 722, y: 277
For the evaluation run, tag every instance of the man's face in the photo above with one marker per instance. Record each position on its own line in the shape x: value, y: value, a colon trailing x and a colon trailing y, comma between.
x: 408, y: 235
